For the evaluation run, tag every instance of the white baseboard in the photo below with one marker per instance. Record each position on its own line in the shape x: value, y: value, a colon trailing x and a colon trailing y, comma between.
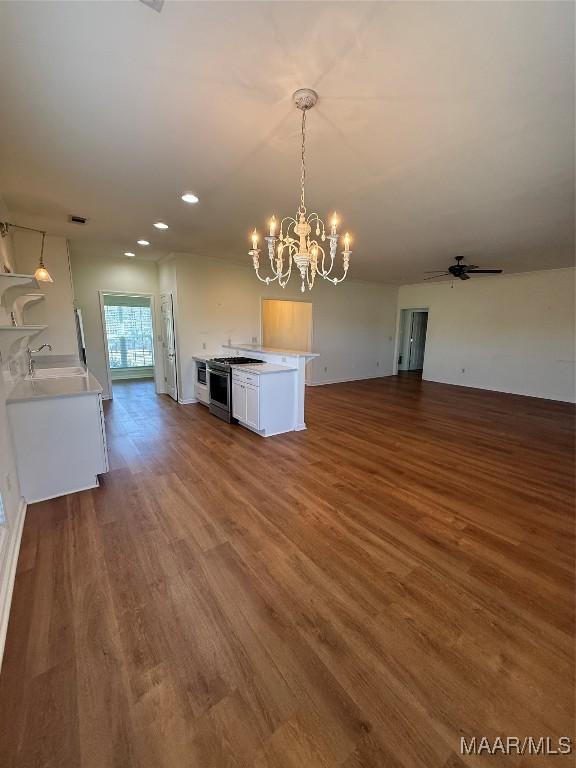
x: 8, y: 572
x: 344, y: 381
x: 66, y: 492
x: 484, y: 388
x: 187, y: 400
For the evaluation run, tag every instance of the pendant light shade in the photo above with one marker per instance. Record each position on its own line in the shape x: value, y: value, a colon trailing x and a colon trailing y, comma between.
x: 42, y: 274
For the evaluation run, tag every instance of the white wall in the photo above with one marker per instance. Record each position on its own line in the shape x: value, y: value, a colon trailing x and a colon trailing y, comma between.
x: 91, y: 275
x: 217, y: 302
x: 57, y: 309
x: 6, y: 242
x: 513, y: 333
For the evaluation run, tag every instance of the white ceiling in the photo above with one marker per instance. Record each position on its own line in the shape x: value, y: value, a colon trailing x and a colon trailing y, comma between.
x: 442, y: 128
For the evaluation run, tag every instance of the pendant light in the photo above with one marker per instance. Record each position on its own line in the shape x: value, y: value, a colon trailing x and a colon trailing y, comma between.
x: 42, y: 274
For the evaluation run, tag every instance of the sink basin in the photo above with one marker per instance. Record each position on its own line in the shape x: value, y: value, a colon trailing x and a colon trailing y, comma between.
x: 57, y: 373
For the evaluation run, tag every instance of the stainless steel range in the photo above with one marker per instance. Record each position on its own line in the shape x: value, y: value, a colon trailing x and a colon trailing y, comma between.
x: 220, y: 384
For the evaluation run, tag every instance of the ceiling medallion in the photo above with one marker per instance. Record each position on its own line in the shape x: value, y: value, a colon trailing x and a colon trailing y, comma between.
x: 294, y: 242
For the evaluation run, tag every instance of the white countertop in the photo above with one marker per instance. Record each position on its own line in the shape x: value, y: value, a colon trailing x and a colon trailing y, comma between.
x: 271, y: 350
x: 205, y: 356
x: 262, y: 368
x: 36, y: 389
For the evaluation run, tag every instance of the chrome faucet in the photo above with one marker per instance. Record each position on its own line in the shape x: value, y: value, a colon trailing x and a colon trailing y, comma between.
x: 31, y: 352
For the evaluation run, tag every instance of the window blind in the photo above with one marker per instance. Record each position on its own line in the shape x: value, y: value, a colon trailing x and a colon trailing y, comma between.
x: 129, y: 334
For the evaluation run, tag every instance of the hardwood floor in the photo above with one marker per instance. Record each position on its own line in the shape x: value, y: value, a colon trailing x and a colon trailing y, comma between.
x: 358, y: 595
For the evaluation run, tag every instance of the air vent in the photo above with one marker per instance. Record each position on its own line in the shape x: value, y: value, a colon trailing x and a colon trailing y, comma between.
x: 77, y: 219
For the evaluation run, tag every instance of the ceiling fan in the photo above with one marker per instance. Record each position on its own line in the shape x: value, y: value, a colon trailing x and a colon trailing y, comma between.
x: 462, y: 271
x: 156, y: 5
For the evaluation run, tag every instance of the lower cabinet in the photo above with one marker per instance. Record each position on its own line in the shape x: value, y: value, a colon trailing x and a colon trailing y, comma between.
x: 245, y: 403
x: 264, y: 403
x: 60, y: 444
x: 201, y: 393
x: 252, y: 406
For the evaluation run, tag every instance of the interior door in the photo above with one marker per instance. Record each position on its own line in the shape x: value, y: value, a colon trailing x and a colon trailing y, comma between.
x: 418, y: 340
x: 169, y: 345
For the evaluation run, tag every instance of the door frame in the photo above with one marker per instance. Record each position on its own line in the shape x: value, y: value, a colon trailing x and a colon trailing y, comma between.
x: 398, y: 340
x: 150, y: 296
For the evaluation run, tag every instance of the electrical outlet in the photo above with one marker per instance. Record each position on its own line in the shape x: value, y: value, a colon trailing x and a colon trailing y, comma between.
x: 463, y: 370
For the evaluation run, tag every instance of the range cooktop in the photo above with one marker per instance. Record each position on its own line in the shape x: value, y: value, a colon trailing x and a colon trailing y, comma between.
x: 236, y: 361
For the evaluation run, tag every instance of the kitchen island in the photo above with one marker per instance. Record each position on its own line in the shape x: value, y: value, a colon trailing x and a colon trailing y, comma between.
x: 282, y: 358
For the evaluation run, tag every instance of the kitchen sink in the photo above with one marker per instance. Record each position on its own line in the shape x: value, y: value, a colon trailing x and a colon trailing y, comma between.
x: 57, y: 373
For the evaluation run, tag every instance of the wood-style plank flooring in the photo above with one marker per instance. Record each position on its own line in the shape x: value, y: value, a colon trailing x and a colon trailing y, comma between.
x: 358, y: 595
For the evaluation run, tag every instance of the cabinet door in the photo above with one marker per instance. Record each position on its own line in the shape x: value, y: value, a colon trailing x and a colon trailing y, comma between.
x: 105, y: 466
x: 238, y: 401
x: 252, y: 407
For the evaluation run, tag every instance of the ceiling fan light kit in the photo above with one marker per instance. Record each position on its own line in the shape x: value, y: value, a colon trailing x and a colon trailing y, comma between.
x: 294, y: 241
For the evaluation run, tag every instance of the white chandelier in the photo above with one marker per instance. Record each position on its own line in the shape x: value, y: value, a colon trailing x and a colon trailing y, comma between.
x: 294, y: 242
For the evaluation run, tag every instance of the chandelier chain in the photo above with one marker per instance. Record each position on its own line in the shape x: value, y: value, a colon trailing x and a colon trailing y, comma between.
x: 302, y: 208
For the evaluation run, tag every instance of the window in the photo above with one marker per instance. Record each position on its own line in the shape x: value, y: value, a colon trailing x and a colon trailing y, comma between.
x: 129, y: 331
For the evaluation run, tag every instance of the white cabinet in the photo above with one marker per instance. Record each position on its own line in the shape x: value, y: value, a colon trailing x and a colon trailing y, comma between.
x: 201, y: 394
x: 201, y: 381
x: 264, y: 403
x: 252, y: 406
x: 60, y: 444
x: 245, y: 402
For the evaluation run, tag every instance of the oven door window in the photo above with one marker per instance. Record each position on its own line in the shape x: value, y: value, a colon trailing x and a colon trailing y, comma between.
x: 219, y: 388
x: 201, y: 373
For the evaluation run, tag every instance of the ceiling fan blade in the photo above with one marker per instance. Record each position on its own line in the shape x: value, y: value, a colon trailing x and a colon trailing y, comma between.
x: 156, y: 5
x: 432, y: 271
x: 485, y: 271
x: 442, y: 274
x: 464, y: 276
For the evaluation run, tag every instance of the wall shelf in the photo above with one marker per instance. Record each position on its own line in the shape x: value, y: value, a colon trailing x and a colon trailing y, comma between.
x: 23, y: 301
x: 12, y: 285
x: 14, y: 339
x: 7, y: 279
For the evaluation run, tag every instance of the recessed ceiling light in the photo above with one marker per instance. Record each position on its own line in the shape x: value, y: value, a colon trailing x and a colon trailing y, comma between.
x: 161, y: 225
x: 188, y: 197
x: 143, y: 242
x: 129, y: 254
